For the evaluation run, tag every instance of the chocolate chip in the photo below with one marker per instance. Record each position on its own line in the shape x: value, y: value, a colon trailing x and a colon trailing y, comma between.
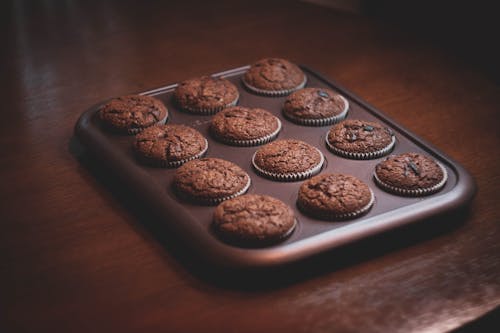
x: 414, y: 168
x: 368, y: 128
x: 351, y: 137
x: 323, y: 94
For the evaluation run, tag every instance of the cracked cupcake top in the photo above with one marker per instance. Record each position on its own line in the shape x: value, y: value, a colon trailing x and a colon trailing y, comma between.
x: 169, y: 143
x: 359, y: 136
x: 334, y: 195
x: 211, y: 179
x: 241, y: 123
x: 253, y: 217
x: 206, y: 93
x: 133, y: 112
x: 274, y: 74
x: 409, y: 171
x: 314, y: 103
x: 287, y: 156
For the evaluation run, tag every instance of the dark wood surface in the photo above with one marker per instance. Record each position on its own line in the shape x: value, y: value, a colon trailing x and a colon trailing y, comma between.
x: 79, y: 255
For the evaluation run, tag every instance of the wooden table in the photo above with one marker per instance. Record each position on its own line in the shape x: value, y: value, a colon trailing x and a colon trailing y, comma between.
x: 78, y: 255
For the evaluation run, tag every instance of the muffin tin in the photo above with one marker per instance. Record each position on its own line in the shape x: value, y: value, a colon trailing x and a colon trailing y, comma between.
x: 192, y: 222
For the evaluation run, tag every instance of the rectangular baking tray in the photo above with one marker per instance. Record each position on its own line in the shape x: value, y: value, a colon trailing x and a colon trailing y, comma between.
x: 191, y: 223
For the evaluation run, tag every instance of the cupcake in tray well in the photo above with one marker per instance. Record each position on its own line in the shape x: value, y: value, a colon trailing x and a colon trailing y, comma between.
x: 206, y: 95
x: 274, y: 77
x: 410, y: 174
x: 334, y: 197
x: 210, y: 181
x: 359, y: 139
x: 169, y: 145
x: 315, y: 107
x: 132, y: 113
x: 288, y: 160
x: 252, y: 219
x: 241, y: 126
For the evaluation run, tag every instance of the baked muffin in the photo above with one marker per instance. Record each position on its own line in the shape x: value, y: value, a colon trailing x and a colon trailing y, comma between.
x: 210, y: 181
x: 334, y: 197
x: 360, y: 139
x: 315, y: 107
x: 274, y: 77
x: 241, y: 126
x: 206, y: 95
x: 253, y: 219
x: 169, y: 145
x: 132, y: 113
x: 288, y: 160
x: 410, y: 174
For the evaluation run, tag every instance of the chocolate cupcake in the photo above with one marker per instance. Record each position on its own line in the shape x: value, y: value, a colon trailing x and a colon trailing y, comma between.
x: 241, y: 126
x: 288, y: 160
x: 132, y: 113
x: 410, y: 174
x: 206, y: 95
x: 359, y: 139
x: 334, y: 197
x: 210, y: 180
x: 315, y: 107
x: 274, y: 77
x: 169, y: 145
x: 253, y: 219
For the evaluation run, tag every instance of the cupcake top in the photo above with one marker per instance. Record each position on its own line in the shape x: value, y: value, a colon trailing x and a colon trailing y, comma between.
x: 206, y: 94
x: 239, y: 125
x: 360, y: 139
x: 315, y: 106
x: 132, y: 113
x: 334, y: 196
x: 410, y: 174
x: 288, y: 158
x: 210, y: 180
x: 274, y: 76
x: 255, y: 219
x: 170, y: 145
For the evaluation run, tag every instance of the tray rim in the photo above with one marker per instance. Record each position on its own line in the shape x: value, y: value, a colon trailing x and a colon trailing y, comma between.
x: 226, y: 256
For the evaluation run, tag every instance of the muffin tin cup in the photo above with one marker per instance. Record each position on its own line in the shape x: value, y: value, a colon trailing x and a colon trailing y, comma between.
x: 413, y: 192
x: 361, y: 156
x: 290, y: 177
x: 252, y: 142
x: 274, y: 93
x: 320, y: 121
x: 171, y: 164
x: 339, y: 217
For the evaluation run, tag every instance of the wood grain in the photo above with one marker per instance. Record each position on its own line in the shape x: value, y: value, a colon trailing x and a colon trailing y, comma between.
x: 78, y: 255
